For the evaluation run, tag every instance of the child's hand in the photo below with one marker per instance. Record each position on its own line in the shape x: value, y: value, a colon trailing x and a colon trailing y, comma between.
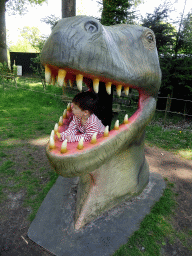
x: 58, y: 135
x: 67, y: 137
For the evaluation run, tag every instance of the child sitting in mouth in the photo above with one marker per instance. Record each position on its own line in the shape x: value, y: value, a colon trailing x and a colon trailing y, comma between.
x: 84, y: 122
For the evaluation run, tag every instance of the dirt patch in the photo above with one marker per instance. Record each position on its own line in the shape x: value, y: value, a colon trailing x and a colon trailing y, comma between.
x: 14, y: 224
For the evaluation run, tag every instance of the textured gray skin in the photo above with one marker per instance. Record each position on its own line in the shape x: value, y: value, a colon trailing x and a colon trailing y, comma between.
x: 115, y: 170
x: 122, y: 53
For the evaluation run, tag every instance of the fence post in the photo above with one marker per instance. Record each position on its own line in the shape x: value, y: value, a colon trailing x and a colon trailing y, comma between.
x: 185, y: 111
x: 167, y: 108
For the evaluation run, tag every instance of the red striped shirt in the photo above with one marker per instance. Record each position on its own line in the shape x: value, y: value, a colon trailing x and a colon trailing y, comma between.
x: 76, y: 130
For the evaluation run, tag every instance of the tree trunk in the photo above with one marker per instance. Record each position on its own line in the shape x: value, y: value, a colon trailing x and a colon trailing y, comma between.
x: 3, y: 46
x: 68, y: 8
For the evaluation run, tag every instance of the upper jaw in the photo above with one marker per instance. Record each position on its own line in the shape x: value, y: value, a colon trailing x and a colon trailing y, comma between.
x: 62, y: 75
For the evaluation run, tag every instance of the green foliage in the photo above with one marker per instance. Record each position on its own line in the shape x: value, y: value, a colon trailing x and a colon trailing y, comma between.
x: 175, y: 52
x: 51, y: 20
x: 30, y: 40
x: 164, y: 32
x: 22, y: 45
x: 116, y: 12
x: 4, y: 69
x: 19, y: 6
x: 185, y: 35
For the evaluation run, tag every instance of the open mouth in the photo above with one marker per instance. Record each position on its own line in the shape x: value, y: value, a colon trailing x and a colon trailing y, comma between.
x: 112, y: 168
x: 112, y: 141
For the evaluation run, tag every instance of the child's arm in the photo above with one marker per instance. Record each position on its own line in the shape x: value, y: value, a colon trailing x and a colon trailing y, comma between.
x: 72, y: 129
x: 91, y: 128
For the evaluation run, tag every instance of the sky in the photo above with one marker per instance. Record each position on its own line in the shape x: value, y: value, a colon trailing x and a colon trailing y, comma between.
x: 84, y: 7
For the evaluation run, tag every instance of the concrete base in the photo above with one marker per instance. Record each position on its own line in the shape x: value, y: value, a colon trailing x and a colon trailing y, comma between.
x: 53, y: 226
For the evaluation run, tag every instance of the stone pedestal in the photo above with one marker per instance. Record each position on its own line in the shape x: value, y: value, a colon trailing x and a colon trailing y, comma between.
x: 53, y: 226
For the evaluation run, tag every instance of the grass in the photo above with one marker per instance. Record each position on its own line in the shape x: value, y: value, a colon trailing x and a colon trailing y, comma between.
x: 26, y: 115
x: 153, y: 230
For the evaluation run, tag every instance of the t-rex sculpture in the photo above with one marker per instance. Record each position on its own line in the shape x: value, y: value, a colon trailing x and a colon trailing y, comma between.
x: 113, y: 168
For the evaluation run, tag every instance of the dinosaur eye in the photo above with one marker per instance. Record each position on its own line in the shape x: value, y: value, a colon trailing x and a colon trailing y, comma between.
x: 150, y: 38
x: 91, y: 27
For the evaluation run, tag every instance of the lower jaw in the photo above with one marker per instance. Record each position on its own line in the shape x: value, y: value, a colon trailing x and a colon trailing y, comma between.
x: 117, y: 180
x: 80, y: 162
x: 111, y: 171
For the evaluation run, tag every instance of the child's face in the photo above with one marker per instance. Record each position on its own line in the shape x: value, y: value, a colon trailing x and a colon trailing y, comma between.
x: 77, y: 111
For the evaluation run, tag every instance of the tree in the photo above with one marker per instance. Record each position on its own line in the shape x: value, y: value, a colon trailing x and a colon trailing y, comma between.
x: 165, y: 33
x: 30, y: 40
x: 51, y: 20
x: 14, y: 6
x: 115, y: 11
x: 185, y: 35
x: 68, y: 8
x: 173, y: 47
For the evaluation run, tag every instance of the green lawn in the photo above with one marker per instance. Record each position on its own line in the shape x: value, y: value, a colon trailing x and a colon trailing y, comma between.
x: 27, y: 115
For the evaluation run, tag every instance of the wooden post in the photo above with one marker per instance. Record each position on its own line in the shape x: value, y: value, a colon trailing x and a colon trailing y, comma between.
x: 168, y: 103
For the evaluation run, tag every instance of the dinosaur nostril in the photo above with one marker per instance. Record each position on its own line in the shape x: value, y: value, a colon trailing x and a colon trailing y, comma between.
x: 91, y: 27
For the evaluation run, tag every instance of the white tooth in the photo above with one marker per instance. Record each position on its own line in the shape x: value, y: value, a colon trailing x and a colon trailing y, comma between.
x: 64, y: 146
x: 52, y: 133
x: 51, y: 142
x: 116, y: 127
x: 118, y: 89
x: 61, y: 76
x: 126, y: 90
x: 69, y: 107
x: 80, y: 144
x: 96, y: 85
x: 106, y: 131
x: 108, y: 87
x: 47, y: 74
x: 79, y: 80
x: 126, y: 119
x: 94, y: 138
x: 56, y: 128
x: 61, y: 120
x: 70, y: 83
x: 65, y: 114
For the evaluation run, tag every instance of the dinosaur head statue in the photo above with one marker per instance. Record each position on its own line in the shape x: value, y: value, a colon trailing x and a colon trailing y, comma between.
x: 125, y: 56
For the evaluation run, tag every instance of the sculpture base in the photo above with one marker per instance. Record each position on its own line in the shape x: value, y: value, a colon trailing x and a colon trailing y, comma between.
x: 53, y: 226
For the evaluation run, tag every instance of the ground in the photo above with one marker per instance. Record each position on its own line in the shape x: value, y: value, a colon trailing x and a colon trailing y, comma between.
x: 14, y: 224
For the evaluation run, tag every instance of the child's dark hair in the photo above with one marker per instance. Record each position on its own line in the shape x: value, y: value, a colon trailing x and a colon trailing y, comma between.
x: 86, y: 101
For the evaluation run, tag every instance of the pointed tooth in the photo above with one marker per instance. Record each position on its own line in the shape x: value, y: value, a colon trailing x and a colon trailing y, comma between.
x: 61, y: 120
x: 56, y: 128
x: 52, y: 133
x: 47, y: 74
x: 108, y: 87
x: 65, y: 114
x: 61, y: 76
x: 80, y: 144
x: 51, y: 142
x: 126, y: 90
x: 126, y: 119
x: 70, y: 83
x: 96, y: 85
x: 69, y: 107
x: 64, y: 146
x: 79, y: 80
x: 106, y: 131
x: 116, y: 126
x: 118, y: 89
x: 94, y: 138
